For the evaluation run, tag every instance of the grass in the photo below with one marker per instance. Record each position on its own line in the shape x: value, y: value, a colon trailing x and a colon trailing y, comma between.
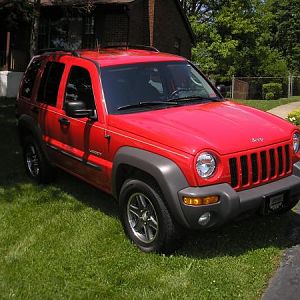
x: 65, y: 241
x: 268, y: 104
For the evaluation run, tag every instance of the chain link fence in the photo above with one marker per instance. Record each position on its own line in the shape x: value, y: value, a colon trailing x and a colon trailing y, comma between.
x: 252, y: 87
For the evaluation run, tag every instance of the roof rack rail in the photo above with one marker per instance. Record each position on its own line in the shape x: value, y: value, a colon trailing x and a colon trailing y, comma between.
x: 42, y: 51
x: 139, y: 47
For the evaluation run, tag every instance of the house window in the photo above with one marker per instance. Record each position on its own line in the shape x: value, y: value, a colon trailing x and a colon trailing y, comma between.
x: 58, y: 33
x: 43, y: 34
x: 65, y: 33
x: 88, y: 38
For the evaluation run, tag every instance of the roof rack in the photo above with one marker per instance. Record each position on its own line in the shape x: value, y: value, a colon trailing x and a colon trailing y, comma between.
x: 139, y: 47
x: 46, y: 50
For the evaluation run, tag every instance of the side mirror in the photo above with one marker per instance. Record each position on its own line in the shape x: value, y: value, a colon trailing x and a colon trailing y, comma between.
x: 222, y: 89
x: 77, y: 109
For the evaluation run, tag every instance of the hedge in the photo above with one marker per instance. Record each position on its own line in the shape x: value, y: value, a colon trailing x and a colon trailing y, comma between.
x: 272, y: 90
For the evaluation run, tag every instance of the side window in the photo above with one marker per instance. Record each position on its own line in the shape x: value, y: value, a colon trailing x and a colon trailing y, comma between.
x: 29, y: 78
x: 49, y: 84
x: 79, y: 87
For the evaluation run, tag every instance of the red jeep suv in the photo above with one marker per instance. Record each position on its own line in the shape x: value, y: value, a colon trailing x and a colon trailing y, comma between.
x: 150, y: 129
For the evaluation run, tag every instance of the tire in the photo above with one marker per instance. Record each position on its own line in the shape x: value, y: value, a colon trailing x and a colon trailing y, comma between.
x: 35, y: 161
x: 146, y: 219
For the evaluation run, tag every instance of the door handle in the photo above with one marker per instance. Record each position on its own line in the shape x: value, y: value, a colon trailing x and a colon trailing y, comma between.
x: 64, y: 121
x: 34, y: 109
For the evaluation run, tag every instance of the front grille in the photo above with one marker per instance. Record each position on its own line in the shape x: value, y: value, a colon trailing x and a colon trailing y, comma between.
x: 258, y: 167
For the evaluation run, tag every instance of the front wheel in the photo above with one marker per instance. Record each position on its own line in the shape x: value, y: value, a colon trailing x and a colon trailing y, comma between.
x: 146, y: 219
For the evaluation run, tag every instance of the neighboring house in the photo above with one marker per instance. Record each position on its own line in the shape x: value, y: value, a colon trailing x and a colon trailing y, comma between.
x: 74, y: 24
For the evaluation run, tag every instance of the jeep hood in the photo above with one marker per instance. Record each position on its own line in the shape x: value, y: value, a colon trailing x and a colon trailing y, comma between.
x: 224, y: 127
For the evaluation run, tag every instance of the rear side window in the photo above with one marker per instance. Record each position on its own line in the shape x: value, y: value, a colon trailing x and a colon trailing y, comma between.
x: 29, y: 78
x: 50, y: 81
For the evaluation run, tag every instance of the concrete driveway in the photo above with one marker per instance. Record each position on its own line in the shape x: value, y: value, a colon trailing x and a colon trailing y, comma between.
x: 286, y: 281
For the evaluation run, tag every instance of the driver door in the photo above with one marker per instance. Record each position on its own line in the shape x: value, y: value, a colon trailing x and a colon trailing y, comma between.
x: 83, y: 138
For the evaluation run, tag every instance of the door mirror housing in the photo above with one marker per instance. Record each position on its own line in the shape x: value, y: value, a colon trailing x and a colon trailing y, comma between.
x: 77, y: 109
x: 222, y: 89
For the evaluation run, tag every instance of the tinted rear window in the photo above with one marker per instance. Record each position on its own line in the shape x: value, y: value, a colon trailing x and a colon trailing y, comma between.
x: 50, y: 81
x: 29, y: 78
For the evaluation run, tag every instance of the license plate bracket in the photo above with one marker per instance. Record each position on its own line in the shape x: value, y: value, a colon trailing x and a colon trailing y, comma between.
x: 276, y: 202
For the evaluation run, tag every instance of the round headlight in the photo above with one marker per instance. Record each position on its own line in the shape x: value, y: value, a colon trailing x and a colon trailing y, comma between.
x: 296, y: 142
x: 206, y: 164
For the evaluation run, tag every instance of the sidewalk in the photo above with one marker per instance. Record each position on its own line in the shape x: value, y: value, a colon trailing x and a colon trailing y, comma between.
x: 283, y: 110
x: 285, y: 284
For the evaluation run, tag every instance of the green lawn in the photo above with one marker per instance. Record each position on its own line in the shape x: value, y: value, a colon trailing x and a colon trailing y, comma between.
x: 65, y: 241
x: 268, y: 104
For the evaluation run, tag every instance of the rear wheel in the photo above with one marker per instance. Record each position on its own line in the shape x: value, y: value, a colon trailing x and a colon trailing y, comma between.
x: 146, y: 219
x: 35, y: 162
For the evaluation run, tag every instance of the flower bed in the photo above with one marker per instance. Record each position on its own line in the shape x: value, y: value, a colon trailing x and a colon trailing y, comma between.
x: 294, y: 117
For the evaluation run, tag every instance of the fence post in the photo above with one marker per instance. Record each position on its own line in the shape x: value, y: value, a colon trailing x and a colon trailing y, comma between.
x: 290, y: 86
x: 232, y: 87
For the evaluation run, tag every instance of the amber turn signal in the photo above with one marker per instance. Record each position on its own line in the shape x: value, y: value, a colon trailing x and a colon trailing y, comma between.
x: 198, y: 201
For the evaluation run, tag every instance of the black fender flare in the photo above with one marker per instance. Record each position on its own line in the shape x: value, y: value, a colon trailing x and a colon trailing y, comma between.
x: 28, y: 124
x: 166, y: 173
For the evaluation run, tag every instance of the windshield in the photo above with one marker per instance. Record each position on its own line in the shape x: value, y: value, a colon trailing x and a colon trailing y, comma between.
x: 140, y: 87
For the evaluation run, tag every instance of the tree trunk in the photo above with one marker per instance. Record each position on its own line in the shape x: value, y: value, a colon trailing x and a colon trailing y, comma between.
x: 35, y: 27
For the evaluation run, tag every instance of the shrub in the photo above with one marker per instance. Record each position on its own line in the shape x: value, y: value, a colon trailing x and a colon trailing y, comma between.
x: 294, y: 117
x: 270, y: 96
x: 272, y: 87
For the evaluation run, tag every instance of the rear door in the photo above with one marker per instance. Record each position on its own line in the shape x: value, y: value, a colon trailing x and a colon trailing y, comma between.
x: 26, y: 101
x: 48, y: 100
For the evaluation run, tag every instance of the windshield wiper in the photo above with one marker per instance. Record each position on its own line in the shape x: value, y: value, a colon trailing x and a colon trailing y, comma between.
x: 195, y: 98
x: 146, y: 103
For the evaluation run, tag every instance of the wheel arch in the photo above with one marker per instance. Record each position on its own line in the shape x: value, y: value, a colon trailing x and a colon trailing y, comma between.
x: 132, y: 162
x: 27, y: 126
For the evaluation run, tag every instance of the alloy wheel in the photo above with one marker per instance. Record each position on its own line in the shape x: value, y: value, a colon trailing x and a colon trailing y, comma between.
x: 142, y: 217
x: 32, y: 161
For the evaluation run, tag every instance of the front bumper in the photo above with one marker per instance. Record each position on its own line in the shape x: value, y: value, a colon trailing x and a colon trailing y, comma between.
x: 233, y: 204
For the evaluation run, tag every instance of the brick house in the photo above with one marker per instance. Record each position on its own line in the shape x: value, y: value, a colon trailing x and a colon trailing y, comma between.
x: 74, y: 24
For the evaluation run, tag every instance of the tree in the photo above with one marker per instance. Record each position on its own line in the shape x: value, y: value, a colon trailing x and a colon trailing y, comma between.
x: 235, y: 40
x: 286, y: 30
x: 226, y: 39
x: 20, y: 11
x: 16, y: 11
x: 203, y: 10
